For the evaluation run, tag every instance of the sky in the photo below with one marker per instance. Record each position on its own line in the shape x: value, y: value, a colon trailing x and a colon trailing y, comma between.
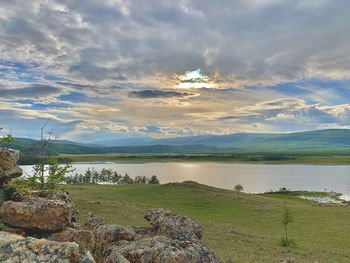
x: 140, y: 68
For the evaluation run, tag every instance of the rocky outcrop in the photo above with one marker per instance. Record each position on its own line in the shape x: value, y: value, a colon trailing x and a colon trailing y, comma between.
x: 8, y: 165
x: 165, y: 250
x: 59, y: 196
x: 18, y: 249
x: 172, y: 239
x: 83, y: 237
x: 174, y: 226
x: 40, y: 210
x: 36, y: 214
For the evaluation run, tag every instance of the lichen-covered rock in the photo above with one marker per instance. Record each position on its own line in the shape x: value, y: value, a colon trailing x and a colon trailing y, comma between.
x: 84, y: 238
x: 173, y: 225
x: 165, y: 250
x: 56, y: 195
x: 8, y: 165
x: 108, y: 233
x: 36, y: 213
x: 18, y: 249
x: 112, y: 233
x: 115, y: 257
x: 92, y: 221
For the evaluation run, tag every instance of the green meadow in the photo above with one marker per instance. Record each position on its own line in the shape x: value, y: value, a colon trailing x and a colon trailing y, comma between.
x: 237, y: 226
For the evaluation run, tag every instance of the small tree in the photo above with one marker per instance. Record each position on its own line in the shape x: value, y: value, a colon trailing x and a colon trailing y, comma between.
x: 56, y: 173
x: 153, y: 180
x: 44, y: 142
x: 7, y: 138
x: 238, y: 188
x: 286, y: 219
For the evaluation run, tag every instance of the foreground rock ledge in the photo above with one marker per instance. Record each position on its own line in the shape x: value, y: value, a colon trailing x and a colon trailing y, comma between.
x: 19, y: 249
x: 37, y: 213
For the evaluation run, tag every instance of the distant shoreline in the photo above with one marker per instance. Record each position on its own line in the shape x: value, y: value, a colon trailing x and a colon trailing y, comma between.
x: 225, y: 158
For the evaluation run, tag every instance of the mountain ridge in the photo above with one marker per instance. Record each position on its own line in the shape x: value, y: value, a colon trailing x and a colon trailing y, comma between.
x: 254, y: 142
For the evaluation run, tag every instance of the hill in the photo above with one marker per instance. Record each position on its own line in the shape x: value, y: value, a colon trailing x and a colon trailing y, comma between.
x: 331, y: 138
x: 238, y: 226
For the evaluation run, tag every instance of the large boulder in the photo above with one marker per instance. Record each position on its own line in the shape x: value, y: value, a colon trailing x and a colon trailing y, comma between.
x: 18, y: 249
x: 163, y: 249
x: 36, y: 214
x: 56, y: 195
x: 8, y: 165
x: 83, y: 237
x: 173, y: 225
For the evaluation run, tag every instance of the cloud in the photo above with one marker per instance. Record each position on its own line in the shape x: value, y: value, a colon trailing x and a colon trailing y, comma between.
x: 32, y: 92
x: 153, y: 93
x: 271, y: 65
x: 265, y: 42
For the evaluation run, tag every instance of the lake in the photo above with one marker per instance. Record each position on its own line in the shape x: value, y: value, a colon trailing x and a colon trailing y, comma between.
x: 255, y: 178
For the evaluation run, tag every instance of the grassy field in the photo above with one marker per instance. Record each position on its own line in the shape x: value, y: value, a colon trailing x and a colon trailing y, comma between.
x: 243, y: 227
x: 278, y: 157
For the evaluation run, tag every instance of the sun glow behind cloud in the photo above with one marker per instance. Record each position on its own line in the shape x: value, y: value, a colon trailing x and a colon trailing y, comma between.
x: 194, y: 79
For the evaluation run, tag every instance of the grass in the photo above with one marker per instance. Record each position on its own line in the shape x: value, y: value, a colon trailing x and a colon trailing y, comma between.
x: 244, y: 227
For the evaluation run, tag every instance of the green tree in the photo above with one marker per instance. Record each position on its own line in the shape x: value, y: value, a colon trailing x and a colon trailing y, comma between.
x: 153, y: 180
x: 238, y: 188
x: 56, y: 173
x: 126, y: 179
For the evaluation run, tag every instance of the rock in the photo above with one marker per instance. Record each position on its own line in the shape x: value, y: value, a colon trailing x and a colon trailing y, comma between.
x: 174, y: 226
x: 36, y: 214
x: 108, y: 233
x: 92, y: 221
x: 9, y: 193
x: 56, y: 195
x: 112, y: 233
x: 163, y: 249
x: 8, y: 165
x: 12, y: 230
x: 84, y: 238
x: 115, y: 257
x: 18, y: 249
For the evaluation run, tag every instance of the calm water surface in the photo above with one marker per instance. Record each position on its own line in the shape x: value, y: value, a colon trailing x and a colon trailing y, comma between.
x: 255, y: 178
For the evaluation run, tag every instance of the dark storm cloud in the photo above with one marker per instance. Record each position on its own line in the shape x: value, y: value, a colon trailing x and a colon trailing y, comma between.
x: 35, y: 92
